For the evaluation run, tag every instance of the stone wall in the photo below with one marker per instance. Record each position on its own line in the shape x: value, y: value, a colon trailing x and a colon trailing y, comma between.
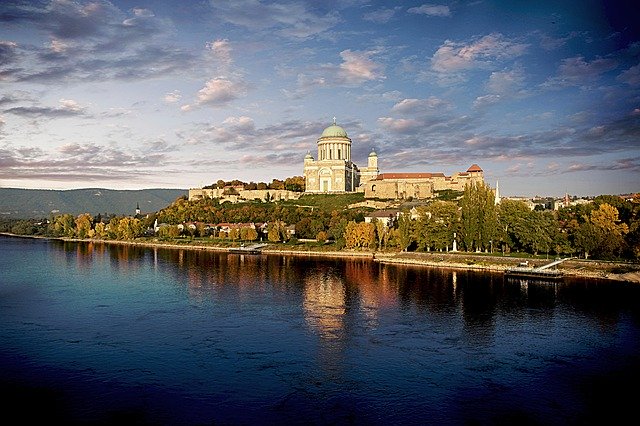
x: 244, y: 195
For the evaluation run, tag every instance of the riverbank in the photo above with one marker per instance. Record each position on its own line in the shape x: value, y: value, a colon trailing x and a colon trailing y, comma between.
x: 616, y: 271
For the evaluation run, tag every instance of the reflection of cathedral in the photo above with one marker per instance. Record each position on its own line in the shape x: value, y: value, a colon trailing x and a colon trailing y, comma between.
x: 333, y: 171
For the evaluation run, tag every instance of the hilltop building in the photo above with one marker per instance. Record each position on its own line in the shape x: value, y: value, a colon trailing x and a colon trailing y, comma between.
x: 334, y: 172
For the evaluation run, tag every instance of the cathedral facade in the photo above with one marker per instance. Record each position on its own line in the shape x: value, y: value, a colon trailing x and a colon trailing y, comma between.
x: 333, y: 171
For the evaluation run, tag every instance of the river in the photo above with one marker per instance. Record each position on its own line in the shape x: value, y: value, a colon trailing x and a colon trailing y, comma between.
x: 94, y: 333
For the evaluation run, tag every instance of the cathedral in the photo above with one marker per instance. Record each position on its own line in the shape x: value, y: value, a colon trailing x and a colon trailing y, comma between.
x: 334, y: 172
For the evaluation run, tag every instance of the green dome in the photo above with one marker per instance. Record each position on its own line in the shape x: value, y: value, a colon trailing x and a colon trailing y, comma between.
x: 334, y: 131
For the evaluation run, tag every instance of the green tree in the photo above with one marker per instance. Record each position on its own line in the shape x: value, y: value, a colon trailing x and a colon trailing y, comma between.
x: 479, y: 218
x: 63, y: 226
x: 405, y: 231
x: 99, y: 231
x: 436, y: 225
x: 510, y: 214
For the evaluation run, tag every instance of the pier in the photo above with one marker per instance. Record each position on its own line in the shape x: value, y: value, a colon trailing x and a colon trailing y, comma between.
x: 542, y: 272
x: 250, y: 249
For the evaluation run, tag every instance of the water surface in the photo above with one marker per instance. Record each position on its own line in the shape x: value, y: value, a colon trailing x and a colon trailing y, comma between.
x: 94, y: 333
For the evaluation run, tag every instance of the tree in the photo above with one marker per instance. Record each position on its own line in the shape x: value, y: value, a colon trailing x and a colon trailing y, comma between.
x: 248, y: 234
x: 510, y: 214
x: 83, y: 225
x: 605, y: 220
x: 129, y: 228
x: 234, y: 234
x: 586, y: 238
x: 99, y: 231
x: 479, y: 218
x: 63, y: 226
x: 277, y: 231
x: 360, y: 235
x: 436, y: 225
x: 276, y: 184
x: 322, y: 237
x: 295, y: 183
x: 405, y: 231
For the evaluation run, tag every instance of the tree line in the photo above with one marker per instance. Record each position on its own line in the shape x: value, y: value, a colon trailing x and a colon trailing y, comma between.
x: 607, y: 228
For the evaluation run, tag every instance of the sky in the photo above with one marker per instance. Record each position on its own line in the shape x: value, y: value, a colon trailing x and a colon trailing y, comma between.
x: 543, y: 95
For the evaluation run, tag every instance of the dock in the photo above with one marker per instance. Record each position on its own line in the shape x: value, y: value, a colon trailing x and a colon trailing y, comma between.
x: 250, y: 249
x: 542, y: 272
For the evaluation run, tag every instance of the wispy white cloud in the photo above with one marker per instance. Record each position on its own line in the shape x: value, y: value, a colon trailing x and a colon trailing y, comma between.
x: 631, y: 76
x: 576, y: 71
x: 296, y: 20
x: 456, y: 57
x: 380, y: 16
x: 431, y: 10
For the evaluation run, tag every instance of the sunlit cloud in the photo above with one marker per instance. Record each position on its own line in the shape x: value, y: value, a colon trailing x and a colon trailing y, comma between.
x: 455, y: 57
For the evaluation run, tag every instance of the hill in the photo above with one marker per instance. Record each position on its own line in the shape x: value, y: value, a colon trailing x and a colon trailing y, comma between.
x: 18, y: 203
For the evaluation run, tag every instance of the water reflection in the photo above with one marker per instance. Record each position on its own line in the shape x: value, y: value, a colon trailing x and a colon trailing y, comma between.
x: 199, y: 333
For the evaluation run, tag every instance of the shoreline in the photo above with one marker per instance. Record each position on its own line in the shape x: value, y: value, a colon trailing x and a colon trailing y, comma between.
x: 594, y: 269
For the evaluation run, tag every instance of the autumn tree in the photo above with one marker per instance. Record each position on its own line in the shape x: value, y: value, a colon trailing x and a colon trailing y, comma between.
x: 83, y: 225
x: 360, y: 235
x: 605, y: 220
x: 295, y: 183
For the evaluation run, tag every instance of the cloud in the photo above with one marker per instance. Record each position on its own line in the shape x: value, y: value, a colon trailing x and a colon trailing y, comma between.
x: 221, y: 50
x: 502, y: 85
x: 77, y: 162
x: 218, y: 92
x: 357, y: 67
x: 421, y: 106
x: 577, y: 71
x: 485, y: 101
x: 380, y: 16
x: 8, y: 52
x: 456, y: 57
x: 241, y: 134
x: 506, y: 83
x: 431, y: 10
x: 399, y: 125
x: 630, y: 76
x: 172, y: 97
x: 67, y: 108
x: 92, y: 42
x: 296, y: 20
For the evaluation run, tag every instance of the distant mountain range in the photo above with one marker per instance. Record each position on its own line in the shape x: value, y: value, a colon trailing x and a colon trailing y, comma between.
x: 39, y: 203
